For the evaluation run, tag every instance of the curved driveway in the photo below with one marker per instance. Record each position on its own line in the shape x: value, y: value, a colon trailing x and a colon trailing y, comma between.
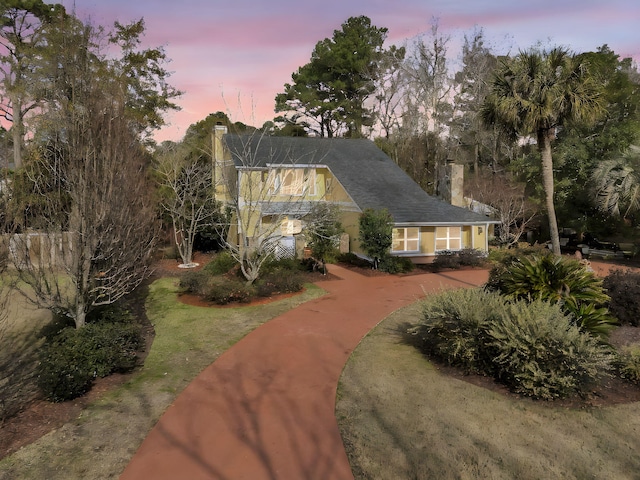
x: 265, y: 408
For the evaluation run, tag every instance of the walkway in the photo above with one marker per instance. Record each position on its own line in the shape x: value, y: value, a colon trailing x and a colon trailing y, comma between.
x: 265, y: 408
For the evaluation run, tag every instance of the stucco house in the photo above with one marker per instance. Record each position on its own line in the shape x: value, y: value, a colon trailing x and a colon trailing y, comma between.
x: 274, y: 182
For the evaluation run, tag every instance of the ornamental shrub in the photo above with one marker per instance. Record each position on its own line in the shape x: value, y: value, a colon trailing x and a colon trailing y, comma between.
x: 73, y: 358
x: 531, y: 347
x: 446, y: 259
x: 557, y: 280
x: 391, y: 264
x: 453, y: 328
x: 194, y: 282
x: 537, y: 351
x: 223, y: 291
x: 627, y: 363
x: 376, y: 234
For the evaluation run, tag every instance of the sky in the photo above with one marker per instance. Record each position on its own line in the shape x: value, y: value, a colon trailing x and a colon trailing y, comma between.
x: 236, y: 56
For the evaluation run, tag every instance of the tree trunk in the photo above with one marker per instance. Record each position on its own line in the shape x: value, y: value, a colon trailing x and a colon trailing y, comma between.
x: 16, y: 133
x: 544, y: 144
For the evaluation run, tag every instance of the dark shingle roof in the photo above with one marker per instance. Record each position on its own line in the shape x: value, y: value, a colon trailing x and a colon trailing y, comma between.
x: 370, y: 177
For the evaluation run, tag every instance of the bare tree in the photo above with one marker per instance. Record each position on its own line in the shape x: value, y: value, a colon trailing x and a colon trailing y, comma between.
x: 89, y: 173
x: 507, y: 202
x: 188, y: 198
x: 267, y: 188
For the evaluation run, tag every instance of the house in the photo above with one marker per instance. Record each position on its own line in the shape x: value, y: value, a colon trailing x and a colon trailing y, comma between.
x: 274, y: 182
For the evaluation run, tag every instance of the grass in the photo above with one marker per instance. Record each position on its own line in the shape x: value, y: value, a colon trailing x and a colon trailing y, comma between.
x: 401, y: 418
x: 100, y: 443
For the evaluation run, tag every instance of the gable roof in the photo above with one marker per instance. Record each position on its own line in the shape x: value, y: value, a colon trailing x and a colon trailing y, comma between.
x: 368, y: 175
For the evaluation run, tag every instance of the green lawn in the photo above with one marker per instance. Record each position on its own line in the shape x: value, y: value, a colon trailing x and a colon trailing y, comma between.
x: 101, y: 441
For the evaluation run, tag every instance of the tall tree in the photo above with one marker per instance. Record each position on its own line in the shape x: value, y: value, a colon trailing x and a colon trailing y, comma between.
x: 97, y: 225
x: 22, y: 25
x: 580, y: 149
x: 328, y: 94
x: 474, y: 141
x: 534, y: 94
x: 143, y: 75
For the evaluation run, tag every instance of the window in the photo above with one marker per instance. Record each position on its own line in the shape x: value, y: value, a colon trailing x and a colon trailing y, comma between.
x: 293, y: 181
x: 406, y: 239
x: 448, y: 238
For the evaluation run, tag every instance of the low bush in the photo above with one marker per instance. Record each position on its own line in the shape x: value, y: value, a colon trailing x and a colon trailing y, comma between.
x: 275, y: 282
x: 446, y: 259
x: 539, y: 352
x: 223, y: 291
x: 532, y: 347
x: 627, y: 363
x: 391, y: 264
x: 281, y: 265
x: 471, y: 257
x: 195, y: 282
x: 222, y: 263
x: 73, y: 358
x: 623, y: 286
x: 453, y: 328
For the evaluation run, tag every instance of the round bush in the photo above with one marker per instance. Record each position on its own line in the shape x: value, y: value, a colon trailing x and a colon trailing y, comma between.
x: 539, y: 352
x: 453, y: 328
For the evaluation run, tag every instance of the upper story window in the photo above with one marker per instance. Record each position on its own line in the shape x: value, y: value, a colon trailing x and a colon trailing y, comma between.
x: 448, y: 238
x: 292, y: 181
x: 406, y: 239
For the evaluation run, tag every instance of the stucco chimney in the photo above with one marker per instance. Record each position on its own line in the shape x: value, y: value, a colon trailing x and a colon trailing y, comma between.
x: 451, y: 183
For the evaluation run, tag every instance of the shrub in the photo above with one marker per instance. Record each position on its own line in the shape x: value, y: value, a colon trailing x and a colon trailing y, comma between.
x: 276, y: 282
x: 628, y: 363
x: 557, y: 280
x: 72, y: 359
x: 532, y: 347
x: 453, y: 327
x: 623, y: 286
x: 196, y: 282
x: 471, y: 257
x: 281, y: 265
x: 223, y: 291
x: 391, y: 264
x: 446, y: 259
x: 222, y: 263
x: 376, y: 234
x: 538, y: 352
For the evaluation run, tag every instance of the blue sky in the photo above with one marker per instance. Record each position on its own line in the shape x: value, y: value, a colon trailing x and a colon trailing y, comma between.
x: 236, y: 56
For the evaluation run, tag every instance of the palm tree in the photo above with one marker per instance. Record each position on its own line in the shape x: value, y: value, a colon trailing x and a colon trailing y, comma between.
x: 535, y: 93
x: 617, y: 184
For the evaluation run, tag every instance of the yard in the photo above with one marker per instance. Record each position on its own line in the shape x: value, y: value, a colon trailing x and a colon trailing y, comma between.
x: 99, y: 441
x: 402, y: 416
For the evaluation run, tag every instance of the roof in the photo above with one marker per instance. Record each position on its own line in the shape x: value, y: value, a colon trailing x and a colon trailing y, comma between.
x: 368, y: 175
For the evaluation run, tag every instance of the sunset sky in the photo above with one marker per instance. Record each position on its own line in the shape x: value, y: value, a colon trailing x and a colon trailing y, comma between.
x: 235, y: 56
